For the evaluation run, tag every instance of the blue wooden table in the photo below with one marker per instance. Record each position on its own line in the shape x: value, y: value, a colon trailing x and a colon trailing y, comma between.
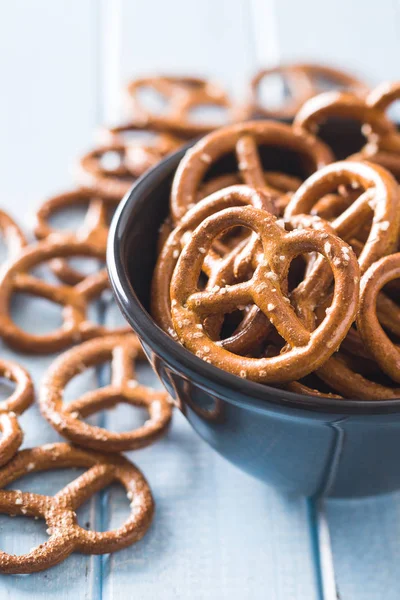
x: 217, y: 533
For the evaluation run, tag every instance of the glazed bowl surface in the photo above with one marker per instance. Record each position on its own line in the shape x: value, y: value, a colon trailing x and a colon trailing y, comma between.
x: 300, y: 444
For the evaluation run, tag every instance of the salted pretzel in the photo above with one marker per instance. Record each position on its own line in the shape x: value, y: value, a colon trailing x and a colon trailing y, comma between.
x: 94, y: 229
x: 16, y: 278
x: 385, y: 352
x: 343, y: 105
x: 123, y: 351
x: 244, y: 140
x: 59, y: 511
x: 140, y: 153
x: 12, y: 234
x: 181, y: 95
x: 256, y: 325
x: 298, y: 86
x: 111, y: 182
x: 308, y: 350
x: 15, y: 404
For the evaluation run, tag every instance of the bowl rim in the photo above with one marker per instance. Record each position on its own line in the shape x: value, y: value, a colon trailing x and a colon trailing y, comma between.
x: 184, y: 361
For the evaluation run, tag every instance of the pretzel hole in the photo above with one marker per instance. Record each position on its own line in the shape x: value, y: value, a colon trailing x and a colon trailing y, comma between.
x: 68, y: 218
x: 85, y: 266
x: 7, y: 388
x: 112, y: 509
x: 141, y: 138
x: 34, y: 314
x: 208, y: 113
x: 152, y: 100
x: 19, y: 535
x: 274, y: 90
x: 48, y: 482
x: 110, y: 161
x: 118, y: 417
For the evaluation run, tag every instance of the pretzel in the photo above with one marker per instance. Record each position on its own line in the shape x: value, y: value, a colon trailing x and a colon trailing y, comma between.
x: 16, y: 279
x: 141, y: 155
x: 333, y: 77
x: 256, y: 326
x: 243, y: 139
x: 13, y: 236
x: 108, y: 183
x: 344, y: 105
x: 94, y: 229
x: 122, y: 351
x: 309, y: 350
x: 181, y: 95
x: 385, y: 352
x: 299, y: 88
x: 59, y: 511
x: 16, y: 404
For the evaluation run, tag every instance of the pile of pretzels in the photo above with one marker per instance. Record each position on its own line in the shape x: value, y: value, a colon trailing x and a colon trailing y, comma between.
x: 273, y: 276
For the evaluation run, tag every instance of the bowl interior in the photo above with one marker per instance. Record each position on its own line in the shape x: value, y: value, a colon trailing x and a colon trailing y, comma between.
x: 133, y: 253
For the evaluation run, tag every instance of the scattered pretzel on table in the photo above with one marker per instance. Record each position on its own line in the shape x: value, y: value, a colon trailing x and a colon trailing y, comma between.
x: 16, y: 404
x: 308, y: 350
x: 94, y: 229
x: 74, y: 299
x: 182, y: 95
x: 12, y: 234
x: 123, y: 351
x: 59, y: 511
x: 141, y: 154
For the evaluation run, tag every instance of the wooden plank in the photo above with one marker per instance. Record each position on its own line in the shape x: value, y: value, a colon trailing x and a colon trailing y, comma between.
x: 48, y: 62
x: 365, y: 535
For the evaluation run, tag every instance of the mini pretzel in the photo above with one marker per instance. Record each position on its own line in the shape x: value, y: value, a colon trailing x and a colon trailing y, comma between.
x: 181, y: 94
x: 13, y: 236
x: 333, y: 77
x: 385, y: 352
x: 76, y: 328
x: 59, y: 511
x: 141, y: 156
x: 109, y: 183
x: 218, y: 275
x: 122, y: 351
x: 243, y: 139
x: 343, y: 105
x: 309, y: 350
x: 299, y: 87
x: 94, y: 229
x: 16, y: 404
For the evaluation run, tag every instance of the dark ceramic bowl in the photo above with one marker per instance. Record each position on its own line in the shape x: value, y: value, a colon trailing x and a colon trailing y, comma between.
x: 301, y: 444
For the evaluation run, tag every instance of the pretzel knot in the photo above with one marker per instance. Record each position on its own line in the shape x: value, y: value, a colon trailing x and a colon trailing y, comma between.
x: 13, y: 236
x: 59, y: 511
x: 181, y: 95
x: 245, y: 140
x: 122, y: 351
x: 15, y: 278
x: 94, y: 229
x: 111, y: 182
x: 308, y: 350
x: 385, y: 352
x: 16, y: 404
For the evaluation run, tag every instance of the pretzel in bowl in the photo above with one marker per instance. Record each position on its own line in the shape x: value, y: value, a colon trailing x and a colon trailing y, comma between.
x: 123, y: 351
x: 382, y: 348
x: 21, y: 398
x: 13, y: 236
x: 94, y: 229
x: 110, y: 181
x: 308, y: 350
x: 59, y: 511
x: 244, y: 140
x: 181, y: 95
x: 16, y: 278
x: 145, y: 147
x: 218, y: 269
